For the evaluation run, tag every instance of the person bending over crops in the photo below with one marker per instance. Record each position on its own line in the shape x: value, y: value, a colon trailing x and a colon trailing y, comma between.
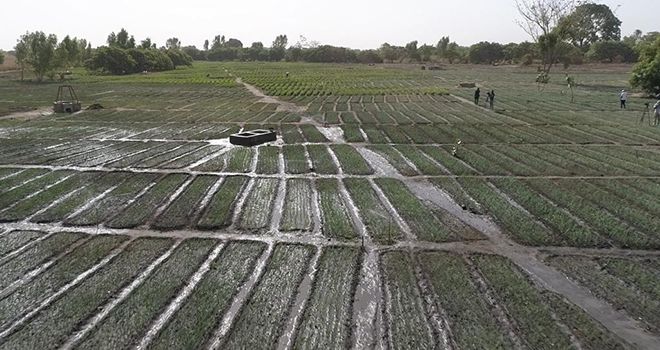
x: 623, y: 97
x: 477, y: 94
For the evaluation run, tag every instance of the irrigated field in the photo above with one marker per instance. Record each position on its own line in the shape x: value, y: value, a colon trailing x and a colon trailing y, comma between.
x: 390, y: 213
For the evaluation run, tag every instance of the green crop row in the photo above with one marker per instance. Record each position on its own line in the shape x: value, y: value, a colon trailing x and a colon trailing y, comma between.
x: 63, y: 271
x: 351, y: 161
x: 420, y: 218
x: 261, y: 320
x: 194, y: 323
x: 327, y: 317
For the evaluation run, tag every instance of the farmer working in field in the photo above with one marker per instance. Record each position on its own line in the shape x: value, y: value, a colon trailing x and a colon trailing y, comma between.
x: 477, y: 94
x: 623, y: 97
x: 656, y: 109
x: 491, y: 98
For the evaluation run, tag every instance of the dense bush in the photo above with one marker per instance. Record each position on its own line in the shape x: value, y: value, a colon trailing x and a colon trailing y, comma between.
x: 179, y: 58
x: 646, y: 74
x: 485, y: 52
x: 112, y: 60
x: 611, y: 51
x: 117, y: 61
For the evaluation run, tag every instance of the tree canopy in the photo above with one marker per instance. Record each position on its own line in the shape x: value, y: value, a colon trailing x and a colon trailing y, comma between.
x: 646, y: 74
x: 590, y: 23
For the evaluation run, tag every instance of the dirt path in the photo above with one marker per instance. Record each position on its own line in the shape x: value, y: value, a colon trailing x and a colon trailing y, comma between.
x: 281, y: 105
x: 29, y: 115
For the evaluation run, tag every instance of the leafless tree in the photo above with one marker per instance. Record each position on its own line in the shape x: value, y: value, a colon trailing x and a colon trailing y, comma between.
x: 540, y: 17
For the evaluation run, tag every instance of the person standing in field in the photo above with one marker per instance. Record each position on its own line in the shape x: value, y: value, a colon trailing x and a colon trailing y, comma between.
x: 623, y: 97
x: 491, y: 99
x: 477, y: 94
x: 656, y: 114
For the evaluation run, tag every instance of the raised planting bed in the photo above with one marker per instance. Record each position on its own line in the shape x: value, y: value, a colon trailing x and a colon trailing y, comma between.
x: 260, y: 323
x: 326, y: 322
x: 423, y: 163
x: 13, y: 240
x: 297, y: 211
x: 258, y: 205
x: 43, y: 199
x: 199, y: 316
x: 381, y: 225
x: 182, y: 211
x: 268, y: 161
x: 50, y: 327
x: 516, y: 222
x: 395, y: 159
x: 564, y: 226
x: 322, y: 161
x: 408, y: 325
x: 239, y: 160
x: 295, y: 159
x: 351, y: 161
x: 191, y: 158
x: 114, y: 202
x: 522, y: 302
x: 143, y: 209
x: 34, y: 256
x: 220, y: 210
x: 470, y: 317
x: 19, y: 193
x: 420, y: 218
x: 156, y: 161
x: 312, y: 134
x: 62, y: 272
x: 63, y: 209
x: 335, y: 217
x: 130, y: 320
x: 352, y: 133
x: 21, y: 178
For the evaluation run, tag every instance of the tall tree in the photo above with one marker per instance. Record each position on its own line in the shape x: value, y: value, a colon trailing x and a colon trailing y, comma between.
x: 38, y: 51
x: 2, y: 57
x: 121, y: 40
x: 411, y: 51
x: 146, y: 44
x: 540, y: 19
x: 206, y: 45
x: 280, y: 41
x: 21, y: 51
x: 590, y: 23
x: 173, y: 43
x: 278, y: 48
x: 442, y: 45
x: 218, y: 42
x: 233, y: 43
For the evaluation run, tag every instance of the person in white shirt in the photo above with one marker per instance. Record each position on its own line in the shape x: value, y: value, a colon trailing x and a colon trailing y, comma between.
x: 656, y: 108
x: 623, y: 97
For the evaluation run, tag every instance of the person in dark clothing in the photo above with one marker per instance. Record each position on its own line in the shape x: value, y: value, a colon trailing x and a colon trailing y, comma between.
x: 491, y: 98
x: 477, y: 94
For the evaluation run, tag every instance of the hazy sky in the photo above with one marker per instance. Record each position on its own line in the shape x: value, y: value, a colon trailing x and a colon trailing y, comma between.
x: 351, y: 23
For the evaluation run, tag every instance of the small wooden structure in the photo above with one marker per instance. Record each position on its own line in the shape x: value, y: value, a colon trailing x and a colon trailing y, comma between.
x: 67, y: 100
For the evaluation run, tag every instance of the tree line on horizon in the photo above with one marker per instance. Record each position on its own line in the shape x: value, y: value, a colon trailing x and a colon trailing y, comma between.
x: 563, y: 32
